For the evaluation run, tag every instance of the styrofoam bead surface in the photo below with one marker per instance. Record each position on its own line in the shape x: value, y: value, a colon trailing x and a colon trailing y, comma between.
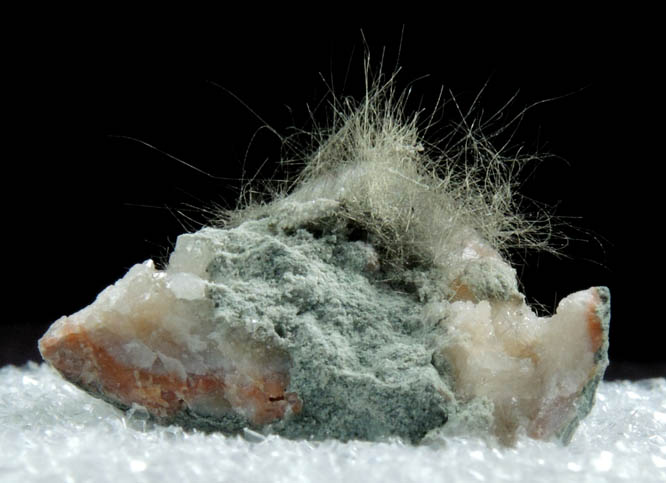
x: 51, y: 431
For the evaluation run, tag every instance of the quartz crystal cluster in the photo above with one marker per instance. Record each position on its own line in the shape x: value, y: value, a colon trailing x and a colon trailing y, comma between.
x: 369, y: 301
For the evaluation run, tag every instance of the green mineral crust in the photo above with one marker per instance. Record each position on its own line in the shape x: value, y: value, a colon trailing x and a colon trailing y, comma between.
x: 360, y: 352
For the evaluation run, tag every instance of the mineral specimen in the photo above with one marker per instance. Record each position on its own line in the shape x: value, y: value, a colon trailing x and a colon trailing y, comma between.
x: 369, y: 300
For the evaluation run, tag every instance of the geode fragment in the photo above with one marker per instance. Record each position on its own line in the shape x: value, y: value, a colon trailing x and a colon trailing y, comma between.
x: 369, y: 301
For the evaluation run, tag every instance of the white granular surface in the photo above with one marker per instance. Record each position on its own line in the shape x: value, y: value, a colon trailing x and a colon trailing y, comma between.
x: 50, y: 431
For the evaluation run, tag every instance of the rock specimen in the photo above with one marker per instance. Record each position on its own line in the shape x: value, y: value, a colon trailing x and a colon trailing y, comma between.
x: 369, y: 300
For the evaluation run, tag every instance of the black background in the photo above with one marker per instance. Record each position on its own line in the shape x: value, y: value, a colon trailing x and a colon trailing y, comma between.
x: 85, y: 203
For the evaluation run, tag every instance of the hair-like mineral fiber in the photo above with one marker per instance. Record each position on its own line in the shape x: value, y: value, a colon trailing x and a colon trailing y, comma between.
x: 414, y: 199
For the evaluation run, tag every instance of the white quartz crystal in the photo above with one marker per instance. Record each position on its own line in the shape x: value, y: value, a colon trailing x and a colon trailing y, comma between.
x: 151, y: 339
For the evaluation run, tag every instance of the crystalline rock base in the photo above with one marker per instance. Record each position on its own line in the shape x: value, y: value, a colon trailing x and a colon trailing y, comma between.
x: 291, y: 332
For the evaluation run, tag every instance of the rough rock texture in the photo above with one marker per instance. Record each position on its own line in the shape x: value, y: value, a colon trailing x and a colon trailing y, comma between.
x: 287, y: 327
